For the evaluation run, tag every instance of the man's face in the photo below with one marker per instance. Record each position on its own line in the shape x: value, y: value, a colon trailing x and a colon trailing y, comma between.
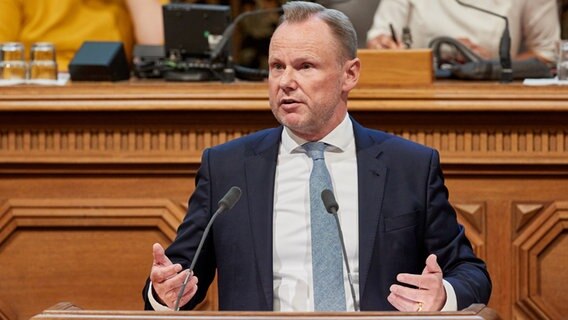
x: 308, y: 82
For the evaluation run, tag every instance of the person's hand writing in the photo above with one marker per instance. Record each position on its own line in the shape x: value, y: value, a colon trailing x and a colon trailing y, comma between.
x: 430, y: 294
x: 167, y: 279
x: 384, y: 42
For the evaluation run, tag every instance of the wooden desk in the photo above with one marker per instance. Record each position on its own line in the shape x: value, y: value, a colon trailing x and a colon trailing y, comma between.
x: 64, y: 311
x: 91, y: 174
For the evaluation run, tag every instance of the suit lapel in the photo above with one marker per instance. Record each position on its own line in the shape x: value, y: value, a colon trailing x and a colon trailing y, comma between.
x: 260, y: 168
x: 371, y: 181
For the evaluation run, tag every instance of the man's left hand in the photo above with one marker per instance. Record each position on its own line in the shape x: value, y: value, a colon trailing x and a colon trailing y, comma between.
x: 429, y: 294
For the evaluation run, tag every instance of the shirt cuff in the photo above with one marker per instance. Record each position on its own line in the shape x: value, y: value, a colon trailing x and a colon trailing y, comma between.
x: 451, y: 299
x: 155, y: 304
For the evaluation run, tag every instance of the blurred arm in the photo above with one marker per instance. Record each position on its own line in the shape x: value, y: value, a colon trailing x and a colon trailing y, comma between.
x: 389, y: 11
x: 541, y: 30
x: 147, y: 20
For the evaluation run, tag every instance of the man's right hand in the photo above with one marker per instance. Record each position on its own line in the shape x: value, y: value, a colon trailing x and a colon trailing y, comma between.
x: 167, y: 279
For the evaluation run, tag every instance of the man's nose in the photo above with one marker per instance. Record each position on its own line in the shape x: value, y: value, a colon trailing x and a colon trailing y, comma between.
x: 288, y: 79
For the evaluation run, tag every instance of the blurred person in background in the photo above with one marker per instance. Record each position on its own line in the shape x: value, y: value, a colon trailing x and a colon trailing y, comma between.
x: 533, y: 25
x: 68, y: 23
x: 360, y: 12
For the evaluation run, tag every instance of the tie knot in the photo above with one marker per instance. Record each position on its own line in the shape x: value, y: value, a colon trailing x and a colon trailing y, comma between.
x: 314, y: 149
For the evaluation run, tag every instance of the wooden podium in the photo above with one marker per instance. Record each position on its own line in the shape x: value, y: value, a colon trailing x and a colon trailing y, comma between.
x: 65, y: 310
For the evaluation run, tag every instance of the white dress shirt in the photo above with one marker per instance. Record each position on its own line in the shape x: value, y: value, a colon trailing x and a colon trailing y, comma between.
x: 292, y: 255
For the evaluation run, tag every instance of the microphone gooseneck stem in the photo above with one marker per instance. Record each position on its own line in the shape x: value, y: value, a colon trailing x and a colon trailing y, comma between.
x: 226, y: 203
x: 228, y: 33
x: 190, y: 270
x: 355, y: 304
x: 504, y: 44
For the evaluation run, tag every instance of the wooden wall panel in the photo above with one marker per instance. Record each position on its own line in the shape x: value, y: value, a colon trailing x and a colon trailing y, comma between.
x: 92, y: 174
x: 541, y: 259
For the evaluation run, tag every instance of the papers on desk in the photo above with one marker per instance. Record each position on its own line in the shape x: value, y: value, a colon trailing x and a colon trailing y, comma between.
x: 62, y: 79
x: 545, y: 82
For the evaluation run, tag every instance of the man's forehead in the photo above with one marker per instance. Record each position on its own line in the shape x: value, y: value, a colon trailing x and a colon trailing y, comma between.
x: 309, y: 31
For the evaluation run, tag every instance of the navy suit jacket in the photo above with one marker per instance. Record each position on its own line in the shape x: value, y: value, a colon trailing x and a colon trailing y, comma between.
x: 404, y: 215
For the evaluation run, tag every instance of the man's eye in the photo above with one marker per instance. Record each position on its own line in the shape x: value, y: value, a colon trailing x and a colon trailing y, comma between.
x: 277, y: 66
x: 307, y: 66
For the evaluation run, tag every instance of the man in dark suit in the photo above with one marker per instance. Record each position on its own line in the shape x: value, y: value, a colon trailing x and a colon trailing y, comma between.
x: 402, y: 240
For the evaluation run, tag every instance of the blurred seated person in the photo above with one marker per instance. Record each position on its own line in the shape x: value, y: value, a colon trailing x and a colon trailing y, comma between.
x: 68, y: 23
x: 533, y: 25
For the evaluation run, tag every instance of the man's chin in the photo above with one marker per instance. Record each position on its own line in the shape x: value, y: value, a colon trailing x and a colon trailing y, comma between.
x: 291, y: 120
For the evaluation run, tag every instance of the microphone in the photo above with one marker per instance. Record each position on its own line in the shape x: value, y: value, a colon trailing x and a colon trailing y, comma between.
x: 228, y: 33
x: 504, y: 44
x: 225, y: 204
x: 332, y: 207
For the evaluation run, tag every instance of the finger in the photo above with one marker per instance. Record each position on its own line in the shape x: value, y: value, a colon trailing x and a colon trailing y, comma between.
x: 172, y: 287
x: 160, y: 274
x: 386, y: 42
x: 424, y: 282
x: 432, y: 265
x: 191, y: 288
x: 402, y: 304
x: 407, y: 293
x: 411, y: 279
x: 159, y: 254
x: 188, y: 292
x: 187, y: 296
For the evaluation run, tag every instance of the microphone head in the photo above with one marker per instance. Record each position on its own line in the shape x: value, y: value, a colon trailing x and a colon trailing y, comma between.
x: 329, y: 201
x: 230, y: 198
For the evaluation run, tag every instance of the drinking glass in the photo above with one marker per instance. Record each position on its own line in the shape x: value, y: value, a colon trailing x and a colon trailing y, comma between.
x: 43, y: 65
x: 12, y: 61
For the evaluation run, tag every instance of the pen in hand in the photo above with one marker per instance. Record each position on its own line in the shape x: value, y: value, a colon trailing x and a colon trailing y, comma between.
x: 393, y: 34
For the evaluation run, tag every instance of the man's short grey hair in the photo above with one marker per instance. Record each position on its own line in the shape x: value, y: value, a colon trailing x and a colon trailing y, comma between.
x: 340, y: 25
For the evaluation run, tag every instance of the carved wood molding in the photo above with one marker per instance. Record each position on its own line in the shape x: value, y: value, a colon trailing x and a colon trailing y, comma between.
x: 118, y: 145
x: 473, y: 217
x: 76, y: 213
x: 494, y: 144
x: 175, y: 145
x: 539, y: 252
x: 523, y: 213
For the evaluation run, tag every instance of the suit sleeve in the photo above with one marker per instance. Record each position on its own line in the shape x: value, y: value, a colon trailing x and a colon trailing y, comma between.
x: 189, y: 235
x: 446, y: 238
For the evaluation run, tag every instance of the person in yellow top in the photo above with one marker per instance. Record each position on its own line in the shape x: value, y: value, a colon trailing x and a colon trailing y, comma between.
x: 68, y: 23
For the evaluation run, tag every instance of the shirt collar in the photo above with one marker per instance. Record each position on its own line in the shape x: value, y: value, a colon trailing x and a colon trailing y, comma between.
x: 339, y: 138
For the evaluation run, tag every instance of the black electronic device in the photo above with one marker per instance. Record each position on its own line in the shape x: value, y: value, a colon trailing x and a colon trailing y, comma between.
x: 99, y: 61
x: 191, y: 33
x: 148, y: 61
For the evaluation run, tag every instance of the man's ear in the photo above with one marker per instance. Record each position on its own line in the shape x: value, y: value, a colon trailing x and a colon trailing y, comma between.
x: 351, y: 69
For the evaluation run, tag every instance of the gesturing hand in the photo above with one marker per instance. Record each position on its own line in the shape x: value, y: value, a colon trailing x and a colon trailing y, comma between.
x: 429, y: 294
x: 167, y: 279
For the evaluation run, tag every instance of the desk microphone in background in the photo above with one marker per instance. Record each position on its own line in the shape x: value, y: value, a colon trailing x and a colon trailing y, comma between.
x: 504, y: 44
x: 332, y: 207
x: 225, y: 204
x: 243, y: 72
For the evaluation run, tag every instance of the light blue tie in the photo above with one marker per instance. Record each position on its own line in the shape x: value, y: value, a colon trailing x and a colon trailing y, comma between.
x: 327, y: 263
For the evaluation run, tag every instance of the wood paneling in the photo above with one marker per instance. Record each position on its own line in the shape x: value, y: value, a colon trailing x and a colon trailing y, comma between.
x: 91, y: 174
